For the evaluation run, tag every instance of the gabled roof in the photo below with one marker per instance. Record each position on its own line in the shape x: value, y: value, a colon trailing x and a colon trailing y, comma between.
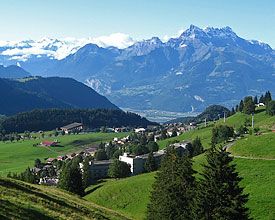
x: 72, y: 126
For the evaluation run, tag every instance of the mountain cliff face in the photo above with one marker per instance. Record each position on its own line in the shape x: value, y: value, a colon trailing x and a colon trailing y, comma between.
x: 199, y: 68
x: 44, y: 93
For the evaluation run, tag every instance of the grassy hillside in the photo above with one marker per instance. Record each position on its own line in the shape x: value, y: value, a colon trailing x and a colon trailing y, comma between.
x: 17, y: 156
x: 261, y: 120
x: 256, y: 146
x: 20, y: 200
x: 128, y: 196
x: 258, y: 175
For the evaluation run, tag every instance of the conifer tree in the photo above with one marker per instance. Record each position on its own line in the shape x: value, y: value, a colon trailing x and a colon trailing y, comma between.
x: 119, y: 169
x: 267, y: 97
x: 71, y: 179
x: 249, y: 106
x: 173, y: 192
x: 220, y: 195
x: 262, y: 99
x: 237, y: 108
x: 255, y: 100
x: 150, y: 164
x: 197, y: 146
x: 241, y: 105
x: 86, y: 174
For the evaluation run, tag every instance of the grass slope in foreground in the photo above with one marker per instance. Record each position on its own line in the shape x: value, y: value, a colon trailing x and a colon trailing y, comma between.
x: 17, y: 156
x: 128, y: 196
x: 20, y: 200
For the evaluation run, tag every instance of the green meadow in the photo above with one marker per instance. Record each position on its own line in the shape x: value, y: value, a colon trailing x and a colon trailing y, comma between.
x: 17, y: 156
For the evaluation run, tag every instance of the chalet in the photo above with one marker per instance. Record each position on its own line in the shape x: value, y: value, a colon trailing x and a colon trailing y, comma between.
x: 48, y: 143
x: 50, y: 160
x: 140, y: 130
x: 157, y: 137
x: 72, y: 127
x: 181, y: 147
x: 260, y: 104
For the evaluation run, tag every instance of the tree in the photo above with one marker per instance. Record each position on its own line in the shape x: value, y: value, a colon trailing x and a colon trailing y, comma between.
x: 101, y: 155
x: 233, y: 111
x: 197, y: 147
x: 237, y: 108
x: 152, y: 146
x: 267, y: 97
x: 37, y: 163
x: 262, y: 99
x: 119, y: 169
x: 255, y: 100
x: 86, y: 174
x: 174, y: 133
x: 163, y: 134
x: 101, y: 146
x: 139, y: 149
x: 221, y: 133
x: 220, y: 195
x: 71, y: 179
x: 173, y: 191
x: 110, y: 150
x: 150, y: 163
x: 241, y: 105
x: 249, y: 106
x: 270, y: 108
x: 55, y: 133
x: 117, y: 153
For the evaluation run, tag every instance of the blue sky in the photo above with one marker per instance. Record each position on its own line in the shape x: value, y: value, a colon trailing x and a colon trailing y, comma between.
x: 141, y: 19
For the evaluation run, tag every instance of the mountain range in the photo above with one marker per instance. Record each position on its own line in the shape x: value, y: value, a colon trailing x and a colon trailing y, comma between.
x: 185, y: 74
x: 21, y: 95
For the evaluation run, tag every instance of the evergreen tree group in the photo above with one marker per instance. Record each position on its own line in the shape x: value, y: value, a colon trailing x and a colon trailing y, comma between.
x: 173, y: 191
x: 71, y: 178
x: 217, y: 195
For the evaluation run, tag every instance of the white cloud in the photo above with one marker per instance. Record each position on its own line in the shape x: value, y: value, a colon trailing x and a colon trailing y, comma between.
x: 59, y: 49
x: 118, y: 40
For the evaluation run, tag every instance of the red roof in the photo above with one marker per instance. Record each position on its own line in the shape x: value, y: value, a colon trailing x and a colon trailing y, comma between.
x: 49, y: 143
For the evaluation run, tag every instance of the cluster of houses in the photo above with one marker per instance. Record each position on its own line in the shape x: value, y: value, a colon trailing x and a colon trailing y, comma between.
x: 99, y: 169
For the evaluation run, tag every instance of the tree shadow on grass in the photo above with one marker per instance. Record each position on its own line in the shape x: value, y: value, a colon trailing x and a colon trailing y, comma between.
x: 93, y: 189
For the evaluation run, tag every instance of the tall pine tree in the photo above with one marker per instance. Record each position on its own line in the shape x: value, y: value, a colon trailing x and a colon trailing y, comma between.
x: 241, y: 105
x: 71, y: 179
x: 220, y: 195
x: 86, y: 174
x: 173, y: 192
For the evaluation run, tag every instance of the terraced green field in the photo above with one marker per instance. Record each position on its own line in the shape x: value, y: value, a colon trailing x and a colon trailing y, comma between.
x: 17, y: 156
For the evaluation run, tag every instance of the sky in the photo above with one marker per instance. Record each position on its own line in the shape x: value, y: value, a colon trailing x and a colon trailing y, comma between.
x: 139, y: 19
